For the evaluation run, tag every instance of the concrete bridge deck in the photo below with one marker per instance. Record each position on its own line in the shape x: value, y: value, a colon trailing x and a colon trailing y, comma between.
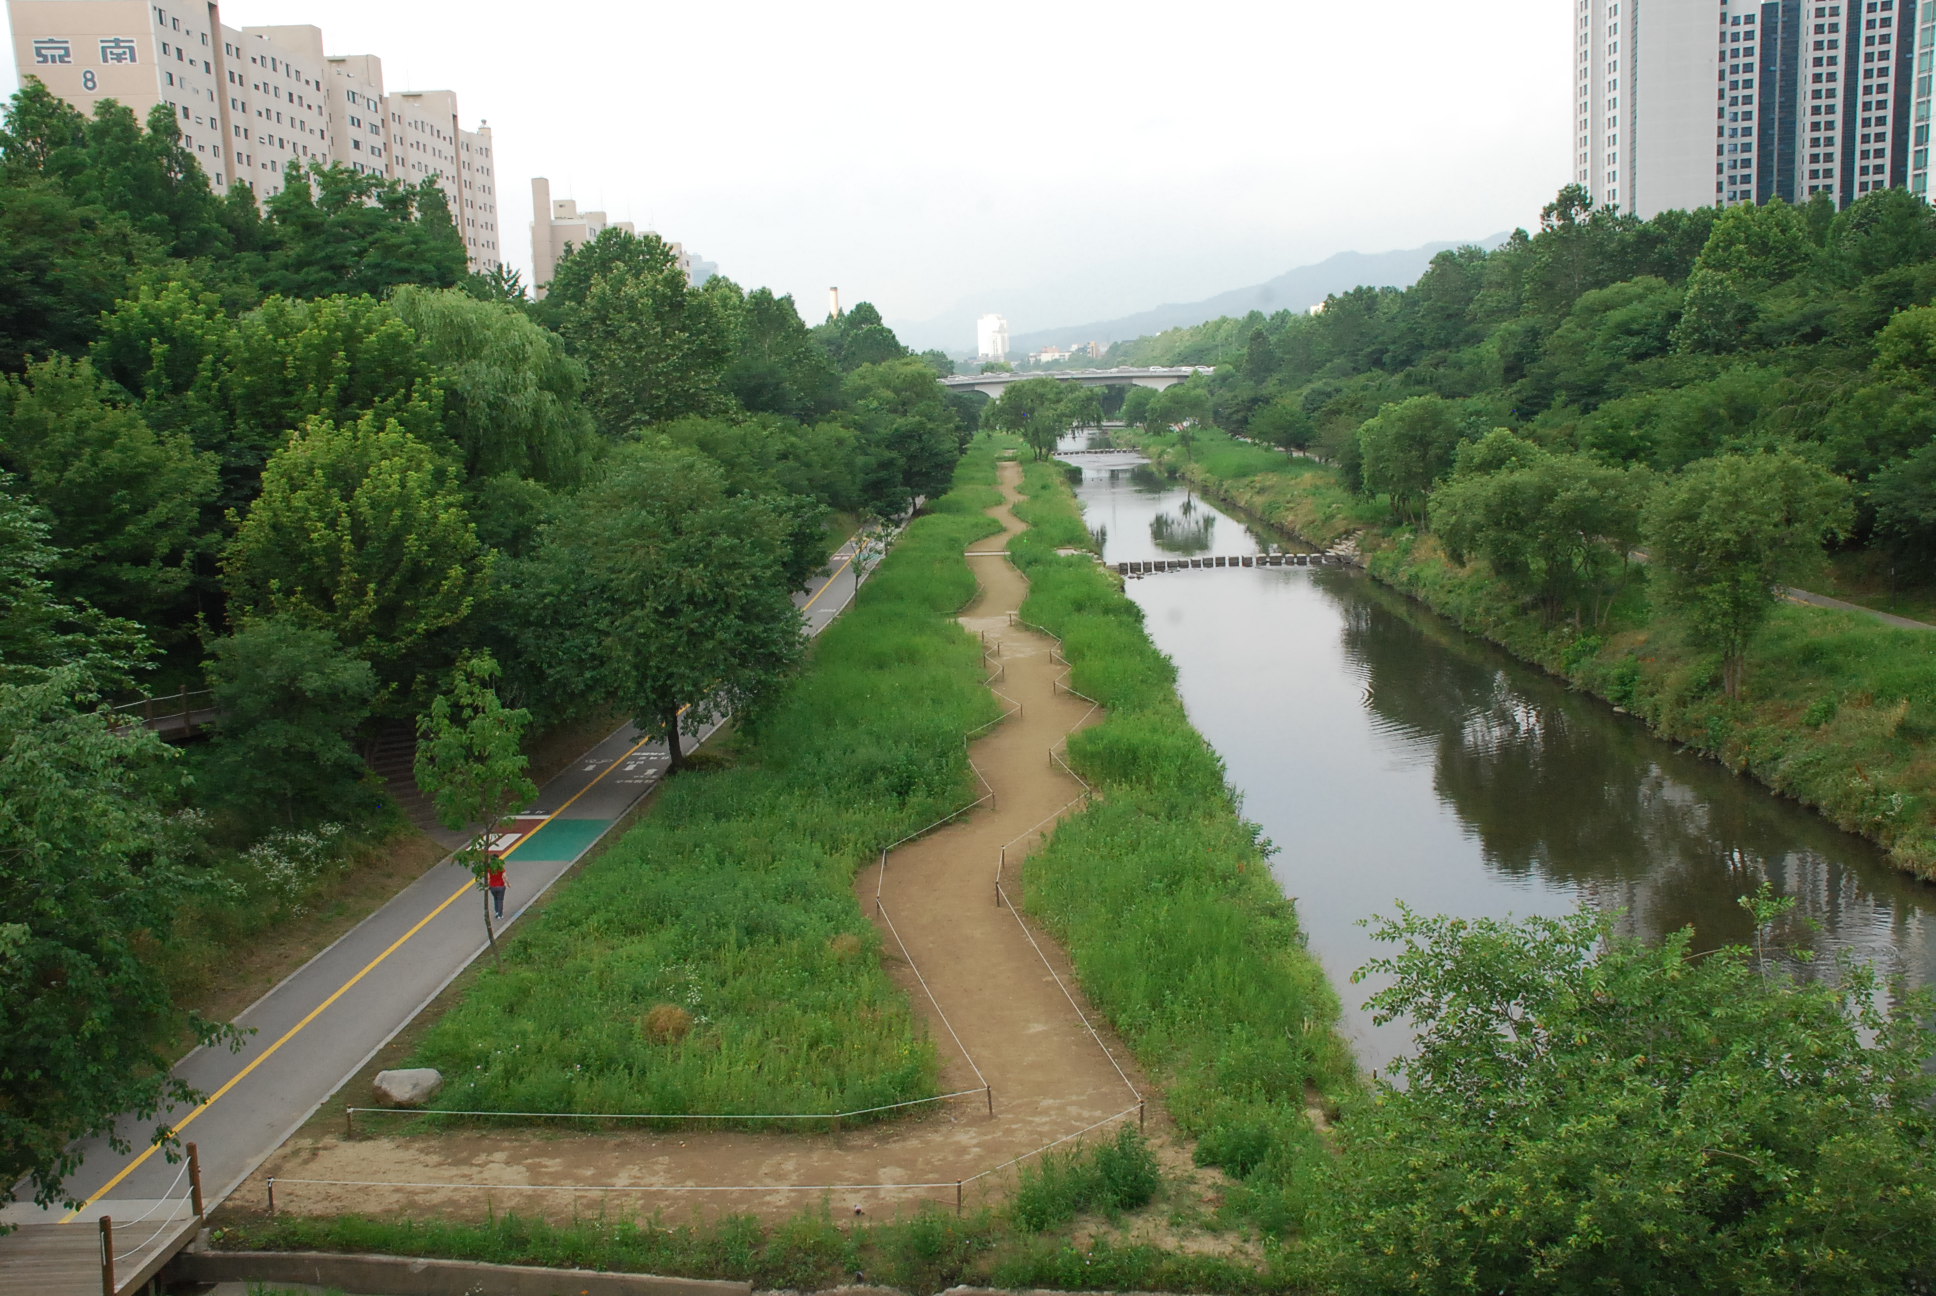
x: 1156, y: 377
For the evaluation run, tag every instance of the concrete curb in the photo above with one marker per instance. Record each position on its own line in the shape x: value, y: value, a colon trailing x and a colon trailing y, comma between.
x: 405, y: 1276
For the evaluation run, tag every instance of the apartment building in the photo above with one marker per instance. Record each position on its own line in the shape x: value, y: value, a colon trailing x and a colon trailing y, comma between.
x: 557, y: 226
x: 1794, y: 98
x: 257, y: 103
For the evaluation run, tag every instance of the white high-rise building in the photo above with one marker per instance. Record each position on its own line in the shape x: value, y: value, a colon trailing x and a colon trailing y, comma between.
x: 991, y: 338
x: 257, y: 103
x: 1690, y: 103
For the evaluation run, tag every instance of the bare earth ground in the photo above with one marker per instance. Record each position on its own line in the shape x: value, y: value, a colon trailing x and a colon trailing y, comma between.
x: 1004, y: 1009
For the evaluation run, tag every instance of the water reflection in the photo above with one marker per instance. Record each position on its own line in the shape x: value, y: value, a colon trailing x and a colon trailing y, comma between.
x: 1186, y: 531
x: 1394, y: 757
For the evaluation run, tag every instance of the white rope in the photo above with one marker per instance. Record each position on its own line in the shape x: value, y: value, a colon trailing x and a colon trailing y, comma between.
x: 914, y: 968
x: 517, y: 1187
x: 1048, y: 1147
x: 163, y: 1199
x: 765, y: 1187
x: 840, y: 1115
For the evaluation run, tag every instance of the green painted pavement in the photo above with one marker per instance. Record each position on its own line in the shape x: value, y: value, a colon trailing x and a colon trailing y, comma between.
x: 560, y: 841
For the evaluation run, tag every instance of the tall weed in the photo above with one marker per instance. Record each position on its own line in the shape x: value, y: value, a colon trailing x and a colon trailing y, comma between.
x: 733, y: 900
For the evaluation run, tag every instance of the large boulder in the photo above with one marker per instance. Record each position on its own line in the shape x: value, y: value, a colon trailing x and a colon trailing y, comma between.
x: 411, y: 1087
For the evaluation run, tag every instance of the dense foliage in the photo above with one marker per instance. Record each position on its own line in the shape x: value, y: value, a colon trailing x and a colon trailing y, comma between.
x: 1163, y: 895
x: 1635, y: 344
x: 295, y: 453
x: 732, y: 906
x: 1589, y: 1113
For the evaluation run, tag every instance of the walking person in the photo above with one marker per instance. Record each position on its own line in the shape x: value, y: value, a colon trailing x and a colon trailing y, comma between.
x: 495, y: 881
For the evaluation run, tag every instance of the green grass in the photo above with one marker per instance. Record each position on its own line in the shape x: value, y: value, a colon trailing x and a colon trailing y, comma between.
x: 733, y: 901
x: 1162, y: 895
x: 926, y: 1252
x: 1298, y: 494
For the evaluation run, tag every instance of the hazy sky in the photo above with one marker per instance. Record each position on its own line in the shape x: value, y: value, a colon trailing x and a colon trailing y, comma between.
x: 1057, y: 162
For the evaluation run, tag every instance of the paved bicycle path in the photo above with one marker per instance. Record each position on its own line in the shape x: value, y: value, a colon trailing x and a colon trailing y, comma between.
x: 327, y: 1019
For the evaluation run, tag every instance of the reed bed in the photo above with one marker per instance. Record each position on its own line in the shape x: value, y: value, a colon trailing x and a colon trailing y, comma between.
x: 1163, y: 896
x: 715, y: 960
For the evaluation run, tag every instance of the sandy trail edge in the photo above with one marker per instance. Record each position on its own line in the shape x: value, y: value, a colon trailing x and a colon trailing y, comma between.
x: 1050, y: 1076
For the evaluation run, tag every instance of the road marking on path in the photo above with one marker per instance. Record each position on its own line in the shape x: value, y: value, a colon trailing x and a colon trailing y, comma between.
x: 395, y: 945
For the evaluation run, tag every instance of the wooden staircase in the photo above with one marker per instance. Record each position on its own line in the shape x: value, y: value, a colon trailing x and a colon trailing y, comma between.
x: 392, y: 757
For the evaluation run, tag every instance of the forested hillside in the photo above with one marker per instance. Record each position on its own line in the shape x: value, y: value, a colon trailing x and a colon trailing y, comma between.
x: 1613, y: 446
x: 299, y: 455
x: 1644, y: 344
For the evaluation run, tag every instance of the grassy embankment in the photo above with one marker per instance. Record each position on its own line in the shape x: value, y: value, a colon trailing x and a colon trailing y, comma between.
x: 730, y: 910
x: 926, y: 1252
x: 1839, y: 711
x: 1162, y: 895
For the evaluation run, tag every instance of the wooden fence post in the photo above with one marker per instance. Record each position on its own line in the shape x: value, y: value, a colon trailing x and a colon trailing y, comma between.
x: 195, y: 1181
x: 108, y: 1285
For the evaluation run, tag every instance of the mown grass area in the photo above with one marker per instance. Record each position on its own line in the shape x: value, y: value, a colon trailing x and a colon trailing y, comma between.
x: 715, y: 960
x: 1162, y: 895
x: 1838, y: 712
x: 1090, y: 1193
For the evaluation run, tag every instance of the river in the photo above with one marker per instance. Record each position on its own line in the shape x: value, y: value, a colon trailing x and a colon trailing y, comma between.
x: 1390, y: 756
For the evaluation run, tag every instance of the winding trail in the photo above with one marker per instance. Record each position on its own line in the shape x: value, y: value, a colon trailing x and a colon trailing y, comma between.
x: 999, y: 998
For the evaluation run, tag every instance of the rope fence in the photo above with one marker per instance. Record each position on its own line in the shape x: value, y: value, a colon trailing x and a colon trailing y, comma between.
x: 1137, y: 1110
x: 988, y: 797
x: 351, y: 1113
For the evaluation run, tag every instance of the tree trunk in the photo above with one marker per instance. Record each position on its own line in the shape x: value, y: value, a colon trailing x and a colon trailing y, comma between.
x: 672, y: 739
x: 490, y: 932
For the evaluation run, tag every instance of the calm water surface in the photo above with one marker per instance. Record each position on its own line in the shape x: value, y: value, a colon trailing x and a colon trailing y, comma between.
x: 1392, y: 757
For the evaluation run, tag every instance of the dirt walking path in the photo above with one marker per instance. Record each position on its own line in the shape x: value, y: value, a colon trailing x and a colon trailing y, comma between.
x: 1008, y: 1018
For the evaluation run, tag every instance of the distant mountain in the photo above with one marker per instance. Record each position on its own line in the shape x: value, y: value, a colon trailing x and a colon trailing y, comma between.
x: 1298, y: 290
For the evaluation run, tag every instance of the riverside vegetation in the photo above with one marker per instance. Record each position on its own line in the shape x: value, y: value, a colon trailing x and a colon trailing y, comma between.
x: 1838, y: 709
x: 1769, y: 1133
x: 295, y: 452
x: 1608, y: 446
x: 730, y: 910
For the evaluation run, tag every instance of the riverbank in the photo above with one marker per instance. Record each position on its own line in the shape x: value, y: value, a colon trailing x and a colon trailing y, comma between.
x: 1163, y: 895
x: 1118, y: 1212
x: 1839, y: 712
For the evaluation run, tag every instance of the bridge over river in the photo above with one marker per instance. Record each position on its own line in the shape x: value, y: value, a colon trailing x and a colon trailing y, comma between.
x: 1156, y: 377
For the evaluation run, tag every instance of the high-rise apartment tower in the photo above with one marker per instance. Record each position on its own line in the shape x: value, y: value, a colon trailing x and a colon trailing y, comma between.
x: 256, y: 104
x: 1687, y: 103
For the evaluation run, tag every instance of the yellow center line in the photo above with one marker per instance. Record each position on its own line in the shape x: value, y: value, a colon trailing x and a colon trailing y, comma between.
x: 269, y: 1052
x: 831, y: 578
x: 345, y: 988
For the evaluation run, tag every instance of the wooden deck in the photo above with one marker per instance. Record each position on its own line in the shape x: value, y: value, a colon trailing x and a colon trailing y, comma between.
x: 65, y: 1259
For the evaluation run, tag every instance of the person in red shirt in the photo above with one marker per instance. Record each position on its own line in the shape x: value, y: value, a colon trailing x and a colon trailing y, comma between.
x: 495, y: 881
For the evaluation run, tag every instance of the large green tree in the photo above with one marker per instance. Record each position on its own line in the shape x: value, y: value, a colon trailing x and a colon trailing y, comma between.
x: 511, y: 396
x: 661, y: 591
x: 125, y: 504
x: 1407, y: 447
x: 361, y: 530
x: 910, y: 434
x: 291, y: 700
x: 1725, y: 534
x: 653, y: 347
x: 335, y: 231
x: 95, y: 873
x: 1031, y: 409
x: 1555, y: 527
x: 1586, y: 1113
